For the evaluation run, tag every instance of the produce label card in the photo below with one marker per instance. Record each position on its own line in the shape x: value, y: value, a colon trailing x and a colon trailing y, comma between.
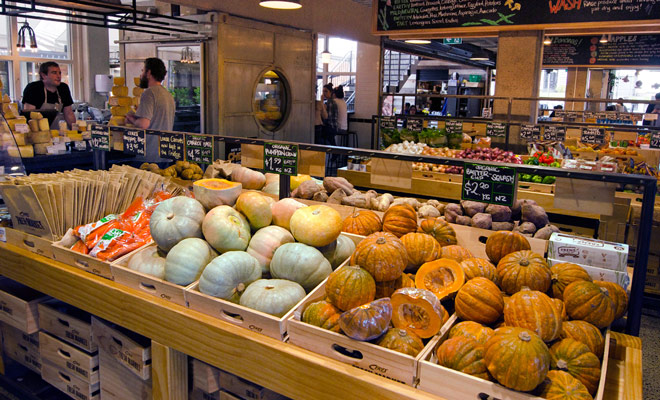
x: 415, y: 124
x: 655, y: 140
x: 592, y: 135
x: 496, y: 129
x: 530, y: 132
x: 100, y: 138
x: 388, y: 122
x: 489, y: 184
x: 135, y: 141
x: 171, y: 145
x: 199, y: 149
x: 281, y: 158
x: 554, y: 133
x: 454, y: 127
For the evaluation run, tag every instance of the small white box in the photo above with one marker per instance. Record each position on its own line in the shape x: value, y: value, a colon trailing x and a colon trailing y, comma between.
x: 601, y: 274
x: 591, y: 252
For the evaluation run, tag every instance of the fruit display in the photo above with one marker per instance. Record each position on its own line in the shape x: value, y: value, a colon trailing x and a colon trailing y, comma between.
x: 181, y: 169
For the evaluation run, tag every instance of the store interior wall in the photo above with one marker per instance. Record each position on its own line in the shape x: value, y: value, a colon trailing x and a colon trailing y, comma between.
x: 367, y: 84
x: 96, y: 49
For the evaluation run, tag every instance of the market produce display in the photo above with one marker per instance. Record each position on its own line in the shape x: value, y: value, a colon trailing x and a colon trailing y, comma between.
x: 544, y: 160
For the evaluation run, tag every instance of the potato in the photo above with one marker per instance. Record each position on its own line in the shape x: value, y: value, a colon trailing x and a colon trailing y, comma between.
x: 463, y: 220
x: 452, y: 211
x: 499, y: 213
x: 502, y: 226
x: 472, y: 208
x: 428, y: 211
x: 336, y: 197
x: 545, y: 232
x: 526, y: 228
x: 482, y: 220
x: 535, y: 215
x: 321, y: 196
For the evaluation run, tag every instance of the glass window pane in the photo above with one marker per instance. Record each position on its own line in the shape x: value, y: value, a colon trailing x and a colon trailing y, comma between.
x: 183, y: 80
x: 320, y: 47
x: 553, y: 84
x: 115, y: 66
x: 270, y: 101
x: 344, y: 55
x: 5, y: 77
x: 52, y: 37
x: 5, y: 44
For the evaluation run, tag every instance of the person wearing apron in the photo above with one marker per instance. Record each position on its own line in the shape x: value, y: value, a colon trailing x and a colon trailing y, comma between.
x: 50, y: 96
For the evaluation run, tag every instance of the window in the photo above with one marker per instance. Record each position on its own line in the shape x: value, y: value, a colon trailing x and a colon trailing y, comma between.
x: 553, y: 84
x: 341, y: 70
x: 183, y: 80
x: 30, y: 73
x: 115, y: 66
x: 640, y: 84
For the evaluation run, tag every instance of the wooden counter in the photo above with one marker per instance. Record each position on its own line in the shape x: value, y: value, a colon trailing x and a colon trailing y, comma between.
x: 281, y: 367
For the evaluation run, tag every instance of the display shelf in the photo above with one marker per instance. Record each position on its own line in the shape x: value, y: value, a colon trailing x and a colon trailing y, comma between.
x: 282, y: 367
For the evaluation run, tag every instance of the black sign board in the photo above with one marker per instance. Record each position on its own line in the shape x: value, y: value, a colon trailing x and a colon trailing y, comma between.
x: 199, y: 149
x: 135, y: 142
x: 100, y: 138
x: 620, y: 50
x: 280, y: 158
x: 592, y: 135
x: 415, y: 124
x: 496, y: 129
x: 530, y: 132
x: 410, y: 15
x: 554, y: 133
x: 489, y: 184
x: 655, y: 140
x: 454, y: 126
x: 172, y: 145
x: 233, y: 152
x: 388, y: 122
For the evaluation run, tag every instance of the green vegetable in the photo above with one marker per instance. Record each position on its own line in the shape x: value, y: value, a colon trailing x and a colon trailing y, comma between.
x: 537, y: 179
x: 525, y: 177
x: 548, y: 180
x: 556, y: 164
x: 534, y: 161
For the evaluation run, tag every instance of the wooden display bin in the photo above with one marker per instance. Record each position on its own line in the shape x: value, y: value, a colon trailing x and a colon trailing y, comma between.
x: 234, y: 385
x: 69, y: 358
x: 25, y: 241
x: 147, y: 283
x: 199, y: 394
x: 120, y: 383
x: 68, y: 383
x: 82, y: 261
x: 127, y: 348
x: 67, y: 323
x: 18, y: 305
x: 22, y: 347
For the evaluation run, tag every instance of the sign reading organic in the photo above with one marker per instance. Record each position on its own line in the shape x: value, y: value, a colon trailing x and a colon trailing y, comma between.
x: 135, y: 141
x: 530, y: 132
x: 620, y: 50
x: 454, y: 127
x: 172, y: 145
x: 100, y: 138
x: 496, y: 129
x: 489, y: 184
x: 199, y: 149
x: 280, y: 158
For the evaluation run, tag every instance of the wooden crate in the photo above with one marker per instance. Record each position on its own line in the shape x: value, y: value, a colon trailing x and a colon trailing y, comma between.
x: 68, y: 383
x: 474, y: 239
x: 18, y: 305
x: 128, y: 348
x: 21, y: 347
x: 28, y: 242
x: 82, y: 261
x: 69, y: 358
x: 536, y: 187
x: 67, y: 323
x: 234, y: 385
x: 118, y: 382
x: 147, y: 283
x: 451, y: 384
x: 199, y: 394
x: 205, y: 376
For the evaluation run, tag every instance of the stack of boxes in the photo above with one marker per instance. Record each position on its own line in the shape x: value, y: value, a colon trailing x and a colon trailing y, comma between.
x: 18, y: 144
x: 120, y: 103
x: 137, y: 93
x: 40, y: 135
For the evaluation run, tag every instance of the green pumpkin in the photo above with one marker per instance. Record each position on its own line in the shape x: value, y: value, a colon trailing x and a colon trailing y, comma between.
x: 300, y: 263
x: 228, y: 275
x: 272, y: 296
x: 338, y: 251
x: 186, y: 261
x: 148, y: 261
x: 176, y: 219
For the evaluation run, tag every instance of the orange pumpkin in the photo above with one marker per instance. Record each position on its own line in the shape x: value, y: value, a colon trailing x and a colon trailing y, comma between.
x: 256, y: 209
x: 474, y: 267
x: 575, y: 358
x: 456, y: 253
x: 362, y: 222
x: 322, y: 314
x: 501, y: 243
x: 419, y: 311
x: 523, y: 269
x: 463, y: 354
x: 561, y: 307
x: 618, y: 295
x: 382, y: 254
x: 421, y: 248
x: 443, y: 277
x: 440, y: 230
x: 368, y: 321
x: 535, y: 311
x: 350, y: 286
x: 386, y: 288
x: 400, y: 219
x: 471, y: 330
x: 589, y: 302
x: 517, y: 358
x: 560, y: 385
x: 586, y: 333
x: 402, y: 340
x: 316, y: 226
x: 479, y: 300
x: 564, y: 274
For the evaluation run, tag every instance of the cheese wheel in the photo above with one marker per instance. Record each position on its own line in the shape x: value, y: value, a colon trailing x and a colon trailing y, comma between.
x: 114, y: 101
x: 137, y: 91
x: 26, y: 151
x: 125, y: 101
x: 117, y: 121
x: 10, y: 115
x: 119, y: 81
x: 6, y: 99
x: 40, y: 137
x: 10, y: 108
x: 54, y: 133
x: 76, y: 137
x: 34, y: 125
x: 136, y: 101
x: 43, y: 124
x: 12, y: 122
x: 19, y: 139
x: 42, y: 148
x: 119, y: 111
x: 119, y: 91
x: 35, y: 115
x: 136, y: 81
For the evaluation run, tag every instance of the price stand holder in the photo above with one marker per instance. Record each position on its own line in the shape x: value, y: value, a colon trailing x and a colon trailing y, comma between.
x: 281, y: 158
x: 100, y: 138
x: 199, y: 149
x: 489, y: 184
x: 135, y: 141
x: 530, y: 132
x: 495, y: 129
x: 171, y: 145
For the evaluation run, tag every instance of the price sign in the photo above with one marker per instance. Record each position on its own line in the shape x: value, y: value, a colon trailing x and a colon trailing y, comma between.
x: 135, y: 141
x: 496, y: 129
x: 281, y: 158
x: 387, y: 122
x: 592, y: 135
x: 454, y: 127
x: 530, y: 132
x: 554, y: 133
x: 655, y: 140
x: 199, y: 149
x: 415, y: 124
x: 171, y: 145
x: 489, y: 184
x: 233, y: 152
x: 100, y: 138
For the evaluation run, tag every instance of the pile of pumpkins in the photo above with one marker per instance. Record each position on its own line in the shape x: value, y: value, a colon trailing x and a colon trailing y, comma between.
x: 262, y: 254
x: 525, y: 325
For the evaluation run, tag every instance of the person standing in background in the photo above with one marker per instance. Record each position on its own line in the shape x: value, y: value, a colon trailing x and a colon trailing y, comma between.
x: 321, y: 115
x: 653, y: 109
x: 342, y: 110
x: 50, y: 94
x: 331, y: 122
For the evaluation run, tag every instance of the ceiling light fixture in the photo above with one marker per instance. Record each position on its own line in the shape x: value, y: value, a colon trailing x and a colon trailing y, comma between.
x: 547, y: 41
x: 326, y: 56
x: 418, y: 41
x: 281, y: 4
x: 479, y: 55
x: 187, y: 56
x: 20, y: 41
x: 603, y: 39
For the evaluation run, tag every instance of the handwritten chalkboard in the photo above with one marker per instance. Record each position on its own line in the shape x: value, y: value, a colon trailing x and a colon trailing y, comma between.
x: 415, y: 124
x: 592, y: 135
x: 100, y: 138
x: 620, y: 50
x: 454, y: 127
x: 496, y: 129
x: 281, y: 158
x: 554, y: 133
x: 530, y: 132
x: 388, y: 122
x: 199, y: 149
x: 481, y: 15
x: 489, y: 184
x: 135, y: 142
x: 233, y: 152
x: 172, y: 145
x: 655, y: 140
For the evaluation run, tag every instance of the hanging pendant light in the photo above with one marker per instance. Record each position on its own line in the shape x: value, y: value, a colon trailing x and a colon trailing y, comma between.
x: 26, y: 30
x: 187, y: 56
x: 603, y: 39
x: 547, y: 41
x: 326, y: 56
x: 281, y: 4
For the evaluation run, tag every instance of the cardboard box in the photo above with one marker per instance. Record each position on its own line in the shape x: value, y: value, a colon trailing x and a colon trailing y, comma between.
x: 601, y: 274
x: 205, y: 376
x: 246, y: 390
x: 591, y: 252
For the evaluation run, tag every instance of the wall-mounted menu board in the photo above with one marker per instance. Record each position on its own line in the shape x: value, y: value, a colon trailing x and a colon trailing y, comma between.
x: 620, y: 50
x: 394, y: 16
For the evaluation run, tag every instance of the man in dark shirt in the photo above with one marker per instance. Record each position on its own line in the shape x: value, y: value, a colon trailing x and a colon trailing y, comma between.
x: 50, y: 94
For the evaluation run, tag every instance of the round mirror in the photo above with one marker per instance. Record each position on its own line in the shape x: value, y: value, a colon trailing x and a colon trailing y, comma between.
x: 271, y: 100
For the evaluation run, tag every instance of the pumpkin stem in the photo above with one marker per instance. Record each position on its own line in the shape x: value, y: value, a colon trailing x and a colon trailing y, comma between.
x: 525, y: 336
x: 562, y: 365
x: 269, y: 287
x: 524, y: 262
x: 240, y: 288
x: 170, y: 216
x: 381, y: 240
x: 316, y: 212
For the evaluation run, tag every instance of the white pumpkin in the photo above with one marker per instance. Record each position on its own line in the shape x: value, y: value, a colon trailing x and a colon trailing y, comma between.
x: 176, y: 219
x: 300, y: 263
x: 229, y: 274
x: 226, y: 229
x: 264, y: 243
x: 283, y: 210
x: 148, y: 261
x: 338, y: 251
x: 272, y: 296
x: 186, y: 261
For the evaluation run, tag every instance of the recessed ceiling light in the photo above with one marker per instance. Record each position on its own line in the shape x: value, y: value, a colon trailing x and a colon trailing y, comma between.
x: 281, y: 4
x: 418, y: 41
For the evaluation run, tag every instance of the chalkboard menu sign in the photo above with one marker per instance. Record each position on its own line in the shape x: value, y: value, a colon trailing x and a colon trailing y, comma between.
x: 172, y: 145
x: 415, y: 124
x: 233, y: 152
x: 620, y: 50
x: 388, y: 122
x: 655, y: 140
x: 496, y: 129
x: 489, y: 184
x: 199, y: 149
x: 592, y: 135
x: 442, y: 15
x: 530, y: 132
x: 281, y: 158
x: 454, y: 127
x: 135, y: 141
x: 555, y: 133
x: 100, y: 138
